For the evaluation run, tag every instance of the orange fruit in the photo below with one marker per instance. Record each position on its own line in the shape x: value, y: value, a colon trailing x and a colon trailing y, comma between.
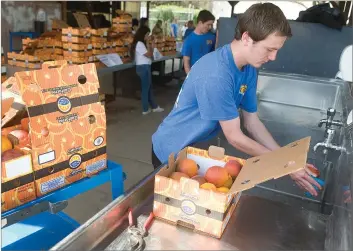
x: 5, y: 144
x: 217, y: 175
x: 188, y: 166
x: 223, y: 189
x: 209, y: 186
x: 229, y: 182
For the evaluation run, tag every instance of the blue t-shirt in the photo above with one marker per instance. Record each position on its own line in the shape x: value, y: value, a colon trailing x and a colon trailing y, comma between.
x: 188, y: 32
x: 196, y: 46
x: 175, y: 29
x: 213, y: 91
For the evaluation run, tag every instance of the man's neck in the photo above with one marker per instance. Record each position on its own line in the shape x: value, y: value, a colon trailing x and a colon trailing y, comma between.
x: 238, y: 56
x: 198, y: 31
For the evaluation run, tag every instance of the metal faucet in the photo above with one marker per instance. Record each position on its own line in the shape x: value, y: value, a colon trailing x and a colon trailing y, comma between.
x: 329, y: 121
x: 330, y: 133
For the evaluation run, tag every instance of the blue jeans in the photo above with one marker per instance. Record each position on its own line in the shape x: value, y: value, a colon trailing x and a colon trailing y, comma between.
x: 145, y: 74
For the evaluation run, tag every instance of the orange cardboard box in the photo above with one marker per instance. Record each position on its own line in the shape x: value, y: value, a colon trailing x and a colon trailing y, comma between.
x: 79, y: 60
x: 23, y: 60
x: 17, y: 178
x: 78, y: 36
x: 111, y: 47
x: 99, y: 35
x: 183, y: 202
x: 67, y: 123
x: 29, y: 43
x: 77, y: 50
x: 99, y: 48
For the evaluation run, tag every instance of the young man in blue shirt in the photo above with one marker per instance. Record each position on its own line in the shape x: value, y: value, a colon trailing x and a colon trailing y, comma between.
x: 223, y: 82
x: 200, y: 42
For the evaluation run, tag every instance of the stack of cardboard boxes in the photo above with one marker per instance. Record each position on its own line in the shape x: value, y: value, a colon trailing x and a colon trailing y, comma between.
x: 53, y: 130
x: 77, y: 45
x: 49, y: 49
x: 170, y: 46
x: 121, y: 34
x: 165, y: 45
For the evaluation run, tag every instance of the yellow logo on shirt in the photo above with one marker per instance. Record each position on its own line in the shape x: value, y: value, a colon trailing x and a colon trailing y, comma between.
x: 242, y: 89
x: 209, y: 42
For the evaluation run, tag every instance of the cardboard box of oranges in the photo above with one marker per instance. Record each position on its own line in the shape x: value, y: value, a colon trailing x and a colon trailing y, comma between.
x: 67, y: 123
x: 201, y: 189
x: 17, y: 178
x: 62, y: 140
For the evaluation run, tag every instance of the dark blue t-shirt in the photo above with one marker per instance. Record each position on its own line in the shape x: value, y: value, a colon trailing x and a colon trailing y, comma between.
x: 213, y: 91
x: 188, y: 32
x: 196, y: 46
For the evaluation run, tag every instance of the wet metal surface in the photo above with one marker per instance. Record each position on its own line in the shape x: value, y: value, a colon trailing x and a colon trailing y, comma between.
x: 258, y: 224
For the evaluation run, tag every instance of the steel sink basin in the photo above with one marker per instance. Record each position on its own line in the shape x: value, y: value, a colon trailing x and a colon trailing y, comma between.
x: 291, y: 107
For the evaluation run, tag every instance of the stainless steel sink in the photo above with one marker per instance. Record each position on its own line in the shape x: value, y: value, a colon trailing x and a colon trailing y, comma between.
x: 290, y: 107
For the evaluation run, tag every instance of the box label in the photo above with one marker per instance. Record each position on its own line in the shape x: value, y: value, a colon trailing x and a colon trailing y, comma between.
x: 18, y: 167
x: 46, y: 157
x: 188, y: 207
x: 52, y: 184
x: 96, y: 166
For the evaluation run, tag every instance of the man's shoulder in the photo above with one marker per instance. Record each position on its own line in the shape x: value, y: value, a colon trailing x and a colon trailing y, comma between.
x: 213, y: 65
x: 210, y: 35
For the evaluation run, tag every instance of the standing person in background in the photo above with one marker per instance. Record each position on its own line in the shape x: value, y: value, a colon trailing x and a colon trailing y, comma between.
x: 183, y: 29
x: 157, y: 30
x: 144, y: 22
x: 135, y: 25
x: 143, y: 53
x: 174, y: 28
x: 200, y: 42
x: 189, y: 30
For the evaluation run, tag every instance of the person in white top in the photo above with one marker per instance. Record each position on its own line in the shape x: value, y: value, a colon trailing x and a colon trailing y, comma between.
x: 143, y: 58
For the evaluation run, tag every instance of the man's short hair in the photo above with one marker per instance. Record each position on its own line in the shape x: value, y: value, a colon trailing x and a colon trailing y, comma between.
x: 205, y: 16
x: 261, y: 20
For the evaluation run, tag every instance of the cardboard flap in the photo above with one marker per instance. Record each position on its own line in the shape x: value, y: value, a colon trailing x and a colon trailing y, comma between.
x: 59, y: 24
x: 284, y: 161
x: 6, y: 105
x: 82, y: 20
x: 11, y: 101
x: 216, y: 152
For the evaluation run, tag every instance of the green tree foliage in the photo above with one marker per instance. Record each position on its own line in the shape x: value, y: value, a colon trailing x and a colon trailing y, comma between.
x: 167, y: 17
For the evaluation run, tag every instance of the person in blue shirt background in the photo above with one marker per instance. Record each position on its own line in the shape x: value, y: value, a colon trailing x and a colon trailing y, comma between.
x: 174, y: 28
x: 190, y: 29
x: 200, y: 42
x: 223, y: 84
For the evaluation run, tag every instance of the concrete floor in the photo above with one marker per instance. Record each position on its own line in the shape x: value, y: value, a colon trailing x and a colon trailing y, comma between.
x: 129, y: 144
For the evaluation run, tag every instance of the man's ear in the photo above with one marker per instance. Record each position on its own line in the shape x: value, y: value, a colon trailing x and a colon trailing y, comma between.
x: 246, y: 39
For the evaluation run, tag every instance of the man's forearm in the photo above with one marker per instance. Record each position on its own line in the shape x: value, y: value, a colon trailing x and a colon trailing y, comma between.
x: 248, y: 145
x: 258, y: 132
x: 187, y: 65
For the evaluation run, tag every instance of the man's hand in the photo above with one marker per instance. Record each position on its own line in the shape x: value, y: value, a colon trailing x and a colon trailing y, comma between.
x: 303, y: 179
